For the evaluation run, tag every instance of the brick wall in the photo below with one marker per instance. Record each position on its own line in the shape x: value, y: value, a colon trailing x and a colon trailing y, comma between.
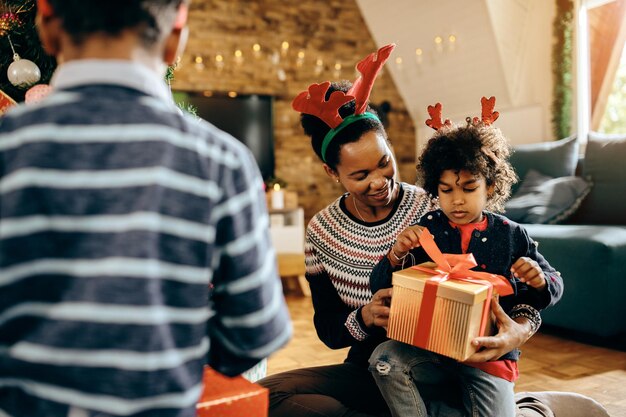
x: 331, y: 31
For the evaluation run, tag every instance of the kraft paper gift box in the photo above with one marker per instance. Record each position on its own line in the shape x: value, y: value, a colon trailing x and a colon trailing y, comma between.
x: 442, y: 306
x: 223, y: 396
x: 456, y: 318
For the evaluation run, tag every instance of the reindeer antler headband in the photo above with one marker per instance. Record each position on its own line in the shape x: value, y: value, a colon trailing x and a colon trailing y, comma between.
x: 313, y: 100
x: 488, y: 116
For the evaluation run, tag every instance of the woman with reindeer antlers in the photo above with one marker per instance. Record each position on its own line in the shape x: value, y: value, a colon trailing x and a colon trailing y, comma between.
x: 343, y: 243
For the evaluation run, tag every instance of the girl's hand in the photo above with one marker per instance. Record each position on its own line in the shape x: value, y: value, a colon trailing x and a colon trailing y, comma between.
x: 528, y: 271
x: 376, y: 313
x: 408, y: 239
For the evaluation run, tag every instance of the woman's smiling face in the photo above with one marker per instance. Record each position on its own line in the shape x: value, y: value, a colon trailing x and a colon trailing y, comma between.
x: 367, y: 169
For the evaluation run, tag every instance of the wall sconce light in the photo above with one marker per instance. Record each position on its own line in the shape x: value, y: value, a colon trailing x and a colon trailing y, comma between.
x: 399, y: 63
x: 319, y: 66
x: 337, y: 71
x: 442, y: 45
x: 238, y: 57
x: 284, y: 48
x: 300, y: 60
x: 452, y: 42
x: 232, y: 94
x: 438, y: 43
x: 198, y: 63
x: 256, y: 50
x: 419, y: 56
x: 219, y: 62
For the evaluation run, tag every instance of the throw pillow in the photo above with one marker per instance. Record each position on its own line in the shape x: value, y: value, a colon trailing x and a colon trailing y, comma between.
x: 545, y: 200
x: 605, y: 166
x: 554, y: 159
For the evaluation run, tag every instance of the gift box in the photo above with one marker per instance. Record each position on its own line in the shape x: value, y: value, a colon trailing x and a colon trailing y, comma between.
x: 456, y: 316
x: 6, y: 102
x: 442, y: 306
x: 224, y: 396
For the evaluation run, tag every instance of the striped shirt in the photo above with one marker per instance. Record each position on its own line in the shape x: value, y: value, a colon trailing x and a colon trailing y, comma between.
x: 117, y: 214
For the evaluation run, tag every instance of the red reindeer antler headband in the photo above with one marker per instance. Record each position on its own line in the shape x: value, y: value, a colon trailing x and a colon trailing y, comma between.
x: 313, y: 101
x: 488, y: 116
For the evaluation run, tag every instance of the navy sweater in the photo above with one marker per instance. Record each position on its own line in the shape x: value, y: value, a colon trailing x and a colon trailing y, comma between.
x: 117, y: 213
x: 495, y: 249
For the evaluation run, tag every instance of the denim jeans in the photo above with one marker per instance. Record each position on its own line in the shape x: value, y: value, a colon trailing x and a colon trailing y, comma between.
x: 419, y: 383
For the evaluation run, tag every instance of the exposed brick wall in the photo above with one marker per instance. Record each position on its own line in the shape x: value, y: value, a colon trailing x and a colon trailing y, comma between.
x: 332, y: 31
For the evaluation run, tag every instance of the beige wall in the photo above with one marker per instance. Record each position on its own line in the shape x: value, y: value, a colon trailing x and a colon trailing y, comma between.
x: 503, y: 48
x: 332, y: 31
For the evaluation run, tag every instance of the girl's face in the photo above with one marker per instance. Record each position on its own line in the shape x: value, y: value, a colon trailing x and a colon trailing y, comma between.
x: 367, y: 170
x: 463, y: 196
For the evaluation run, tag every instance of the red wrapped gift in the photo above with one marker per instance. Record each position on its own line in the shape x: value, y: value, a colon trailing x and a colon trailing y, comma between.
x: 442, y: 306
x: 5, y: 102
x: 223, y: 396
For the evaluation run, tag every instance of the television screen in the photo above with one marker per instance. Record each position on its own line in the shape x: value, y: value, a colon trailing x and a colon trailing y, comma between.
x: 246, y: 117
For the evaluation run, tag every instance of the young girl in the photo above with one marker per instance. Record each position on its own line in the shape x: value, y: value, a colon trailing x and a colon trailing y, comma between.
x: 467, y: 169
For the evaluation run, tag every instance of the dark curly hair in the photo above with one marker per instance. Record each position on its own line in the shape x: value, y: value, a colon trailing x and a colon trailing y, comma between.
x: 479, y: 149
x: 316, y: 129
x: 81, y: 18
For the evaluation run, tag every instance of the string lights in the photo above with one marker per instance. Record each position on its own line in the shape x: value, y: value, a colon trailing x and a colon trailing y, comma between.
x: 282, y: 57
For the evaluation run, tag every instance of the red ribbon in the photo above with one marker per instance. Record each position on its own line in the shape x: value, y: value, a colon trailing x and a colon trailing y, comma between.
x: 451, y: 266
x: 181, y: 16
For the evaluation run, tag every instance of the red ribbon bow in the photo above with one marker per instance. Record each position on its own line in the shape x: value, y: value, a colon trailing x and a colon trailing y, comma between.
x: 451, y: 266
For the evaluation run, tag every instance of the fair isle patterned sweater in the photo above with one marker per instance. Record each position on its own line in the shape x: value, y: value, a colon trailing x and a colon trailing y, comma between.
x: 341, y: 252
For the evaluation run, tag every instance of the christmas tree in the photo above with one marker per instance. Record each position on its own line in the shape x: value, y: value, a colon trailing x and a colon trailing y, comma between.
x: 18, y: 33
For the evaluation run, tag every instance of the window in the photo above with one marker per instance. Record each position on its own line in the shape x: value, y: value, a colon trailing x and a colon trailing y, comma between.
x: 613, y: 119
x: 601, y: 66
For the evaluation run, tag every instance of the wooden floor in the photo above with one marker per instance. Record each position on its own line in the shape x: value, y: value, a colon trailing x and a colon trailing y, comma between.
x: 549, y: 363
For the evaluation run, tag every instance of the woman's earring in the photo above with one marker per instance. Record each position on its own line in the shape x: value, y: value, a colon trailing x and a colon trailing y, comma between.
x: 337, y: 180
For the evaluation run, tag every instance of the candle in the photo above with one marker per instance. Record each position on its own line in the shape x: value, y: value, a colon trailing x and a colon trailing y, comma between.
x: 278, y: 198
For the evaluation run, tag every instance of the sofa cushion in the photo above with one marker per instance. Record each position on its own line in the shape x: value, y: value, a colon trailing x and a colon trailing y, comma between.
x: 541, y: 199
x: 555, y: 159
x: 591, y: 260
x: 605, y: 167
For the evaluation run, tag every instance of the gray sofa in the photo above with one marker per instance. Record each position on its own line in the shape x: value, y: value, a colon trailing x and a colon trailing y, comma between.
x: 586, y: 240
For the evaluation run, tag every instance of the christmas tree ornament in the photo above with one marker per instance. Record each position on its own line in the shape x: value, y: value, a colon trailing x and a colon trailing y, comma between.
x: 8, y: 22
x: 37, y: 93
x: 5, y: 102
x: 22, y: 73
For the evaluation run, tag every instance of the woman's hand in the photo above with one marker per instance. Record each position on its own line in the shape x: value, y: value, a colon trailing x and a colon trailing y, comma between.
x: 376, y: 313
x: 408, y: 239
x: 511, y: 334
x: 529, y: 271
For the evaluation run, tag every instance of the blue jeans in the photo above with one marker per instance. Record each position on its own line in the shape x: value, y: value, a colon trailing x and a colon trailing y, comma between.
x: 419, y: 383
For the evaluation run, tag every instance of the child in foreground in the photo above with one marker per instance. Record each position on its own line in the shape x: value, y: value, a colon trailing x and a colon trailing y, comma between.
x: 467, y: 169
x: 117, y: 212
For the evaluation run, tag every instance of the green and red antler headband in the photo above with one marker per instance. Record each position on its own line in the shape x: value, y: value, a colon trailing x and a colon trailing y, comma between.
x: 488, y: 116
x: 313, y: 100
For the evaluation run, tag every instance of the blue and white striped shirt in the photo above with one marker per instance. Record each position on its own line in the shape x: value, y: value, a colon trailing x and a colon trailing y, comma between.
x: 117, y: 213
